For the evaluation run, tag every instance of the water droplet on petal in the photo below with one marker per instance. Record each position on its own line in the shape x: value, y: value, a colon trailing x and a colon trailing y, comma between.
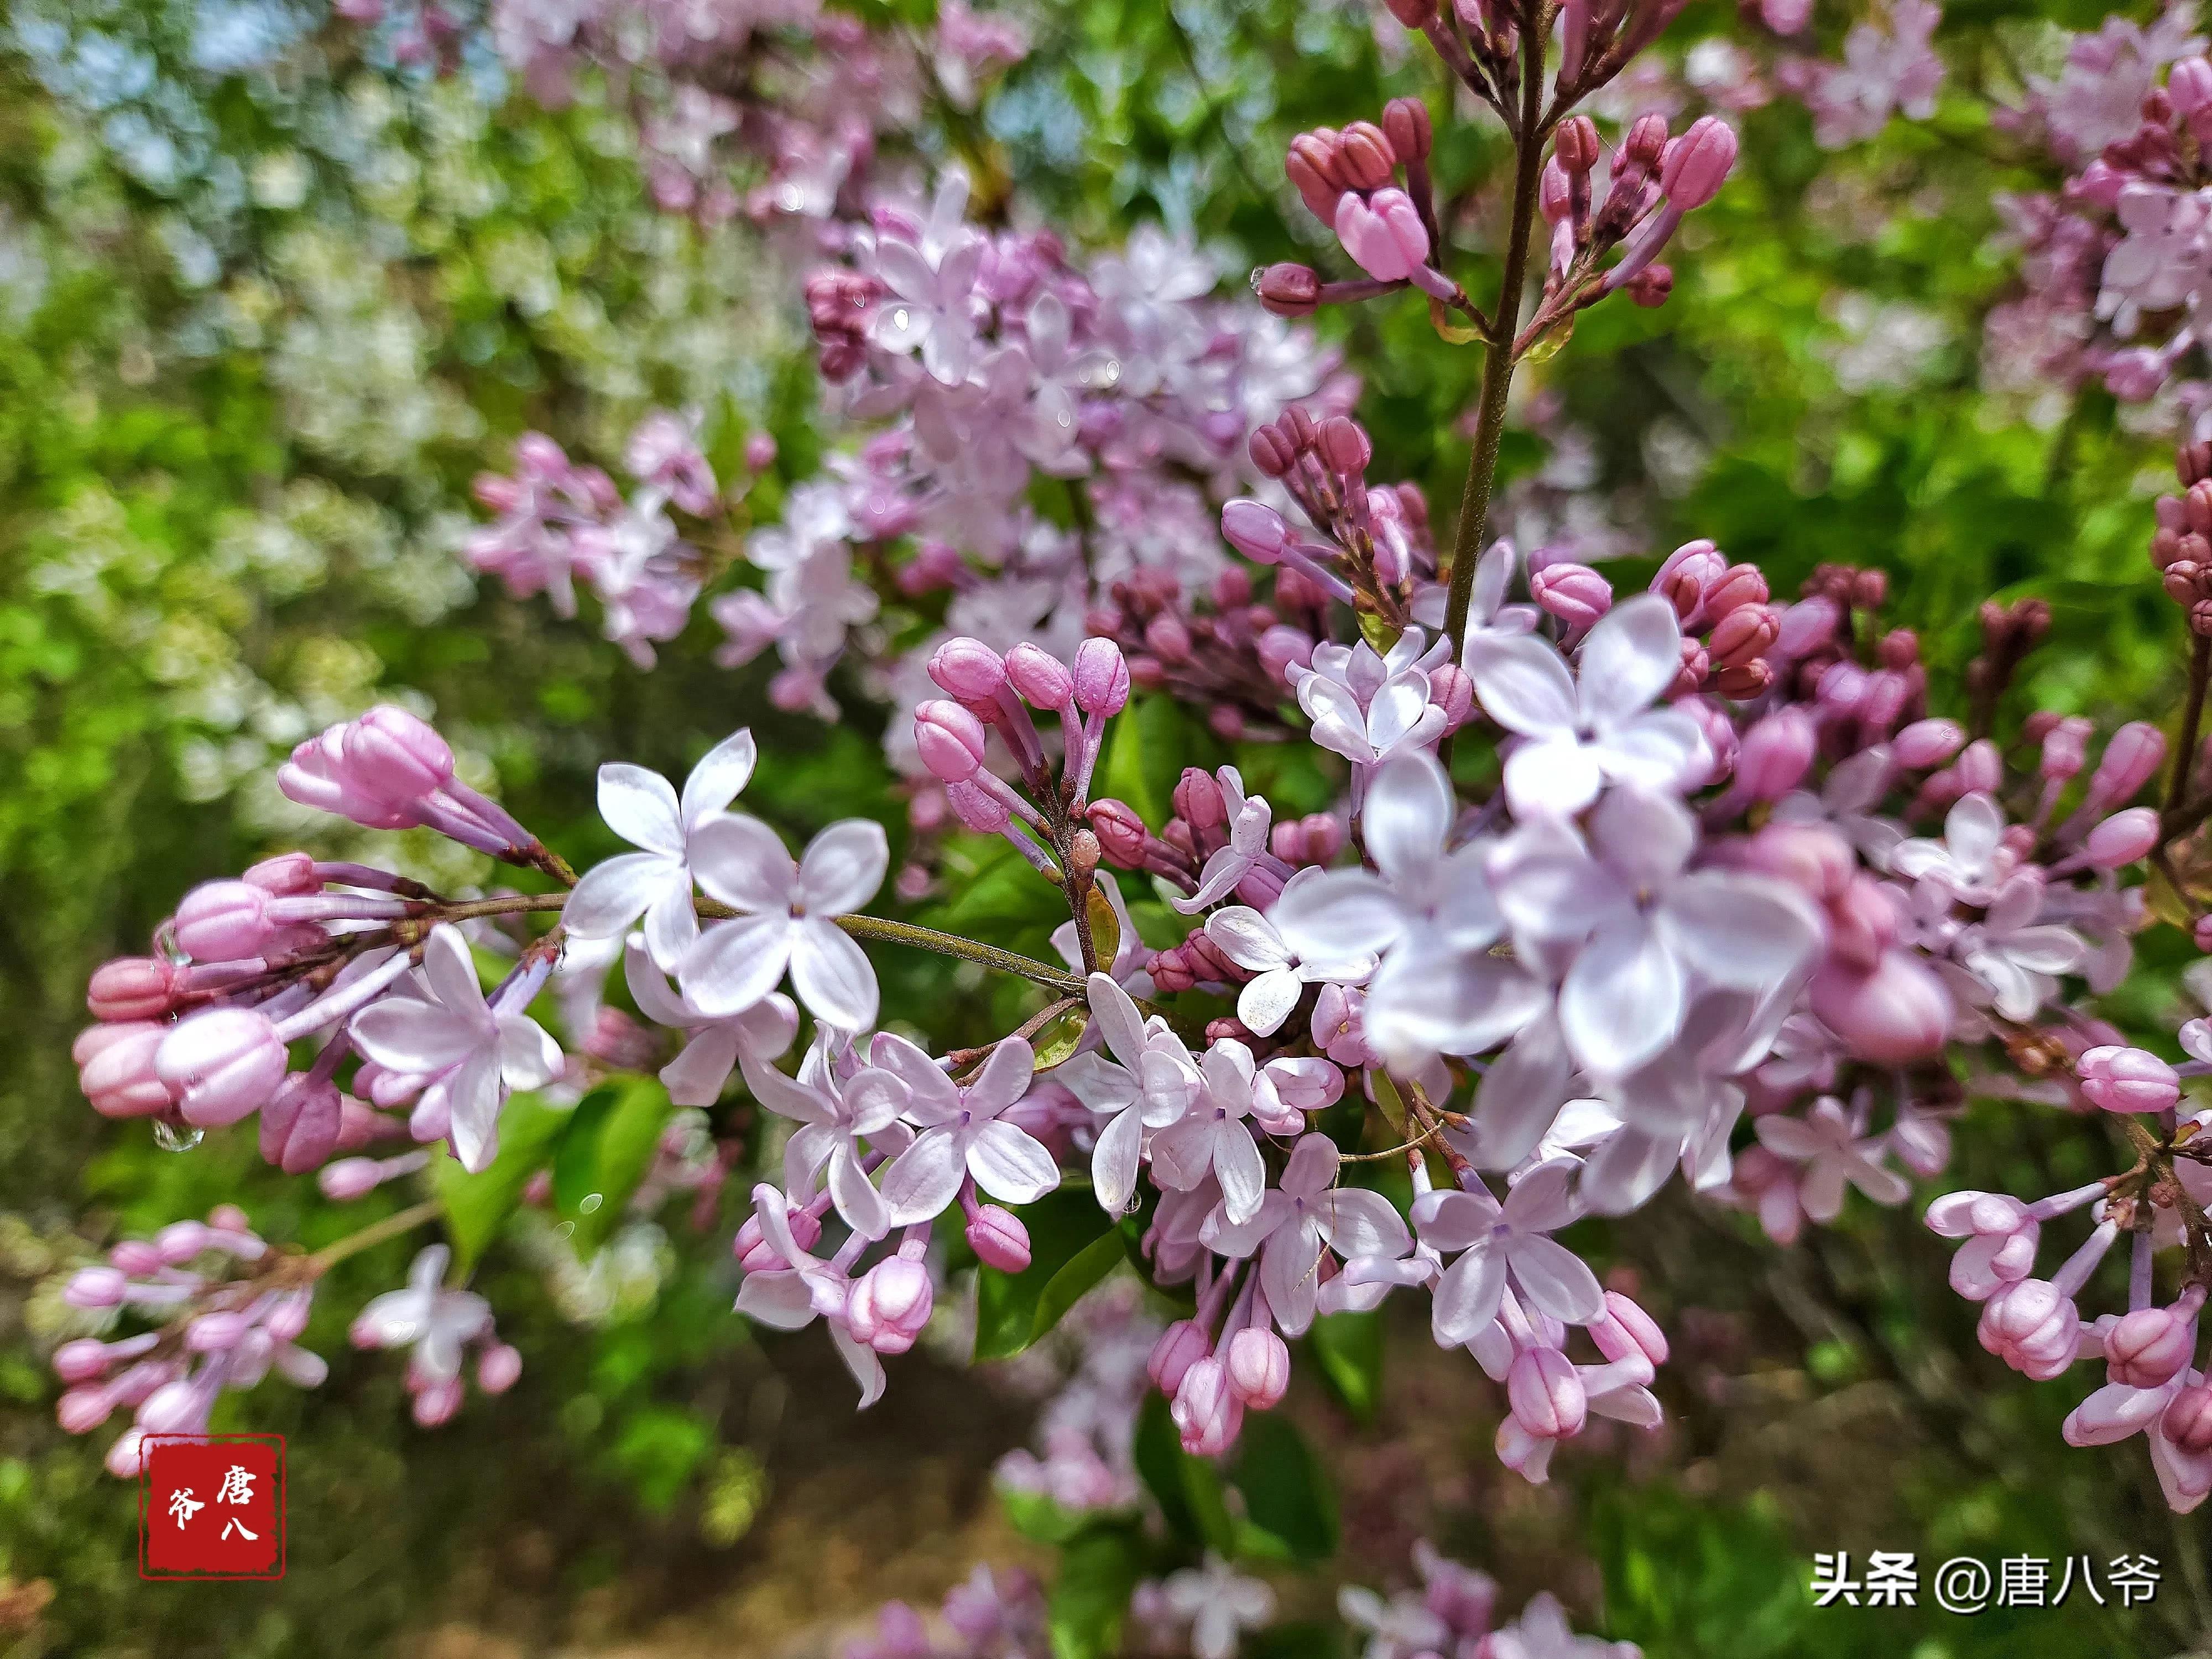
x: 171, y: 1139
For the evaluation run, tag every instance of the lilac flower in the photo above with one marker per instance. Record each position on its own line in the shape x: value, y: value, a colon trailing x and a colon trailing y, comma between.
x: 1219, y: 1605
x: 1832, y: 1146
x: 656, y: 883
x: 474, y: 1052
x: 437, y: 1323
x: 929, y: 309
x: 1279, y: 976
x: 1306, y: 1215
x: 834, y: 1117
x: 1513, y: 1239
x: 791, y: 1297
x: 696, y: 1077
x: 1429, y: 914
x: 965, y: 1132
x: 1971, y: 861
x: 1149, y: 1084
x: 1889, y: 67
x: 1368, y: 708
x: 788, y: 919
x: 1248, y: 820
x: 1213, y: 1136
x: 1578, y: 733
x: 1647, y: 924
x: 1542, y: 1632
x: 2013, y: 955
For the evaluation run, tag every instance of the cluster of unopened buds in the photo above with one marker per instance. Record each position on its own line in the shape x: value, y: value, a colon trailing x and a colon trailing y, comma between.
x: 229, y: 1311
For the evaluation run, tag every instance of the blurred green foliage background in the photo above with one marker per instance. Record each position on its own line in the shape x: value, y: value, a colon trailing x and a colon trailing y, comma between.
x: 262, y: 318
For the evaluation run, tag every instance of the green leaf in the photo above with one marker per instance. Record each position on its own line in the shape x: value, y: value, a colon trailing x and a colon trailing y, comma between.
x: 1098, y: 1569
x: 478, y: 1206
x: 621, y: 1143
x: 1056, y: 1042
x: 1187, y: 1489
x: 1145, y: 757
x: 1105, y: 926
x: 1073, y: 1245
x: 1349, y: 1348
x: 1036, y: 1517
x: 1289, y: 1508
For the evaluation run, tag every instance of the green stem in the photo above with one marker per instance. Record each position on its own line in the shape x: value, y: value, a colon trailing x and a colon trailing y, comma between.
x: 404, y: 1221
x: 2192, y: 717
x: 1497, y: 364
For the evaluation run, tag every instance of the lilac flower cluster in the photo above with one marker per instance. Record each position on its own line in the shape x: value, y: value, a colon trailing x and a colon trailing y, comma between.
x: 2114, y: 262
x: 798, y: 93
x: 1615, y: 885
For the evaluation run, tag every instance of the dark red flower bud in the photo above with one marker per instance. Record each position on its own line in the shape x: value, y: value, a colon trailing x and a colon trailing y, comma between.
x: 1288, y: 290
x: 1406, y: 120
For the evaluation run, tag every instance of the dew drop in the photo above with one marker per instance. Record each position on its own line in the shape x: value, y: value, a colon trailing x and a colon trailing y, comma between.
x: 1136, y: 1203
x: 171, y: 1139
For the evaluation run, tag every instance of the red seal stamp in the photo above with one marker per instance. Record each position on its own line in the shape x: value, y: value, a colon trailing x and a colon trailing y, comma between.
x: 211, y: 1506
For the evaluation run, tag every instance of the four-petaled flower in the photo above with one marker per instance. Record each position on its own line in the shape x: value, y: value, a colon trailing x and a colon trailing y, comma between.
x: 965, y: 1132
x: 788, y: 919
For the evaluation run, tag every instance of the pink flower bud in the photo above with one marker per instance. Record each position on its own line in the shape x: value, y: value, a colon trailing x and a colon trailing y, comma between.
x: 222, y: 1064
x: 83, y: 1360
x: 1773, y: 758
x: 181, y: 1241
x: 2187, y: 1424
x: 395, y: 757
x: 951, y: 741
x: 499, y: 1368
x: 350, y: 1178
x: 1645, y: 141
x: 1575, y: 145
x: 1384, y: 233
x: 890, y: 1305
x: 436, y: 1403
x: 2123, y: 838
x: 2149, y: 1347
x: 1039, y: 678
x: 2189, y: 84
x: 136, y: 1256
x: 1406, y: 124
x: 1898, y: 1011
x: 1575, y: 593
x: 1122, y: 834
x: 1323, y: 836
x: 1546, y: 1393
x: 285, y: 876
x: 1287, y: 289
x: 1255, y: 529
x: 1206, y: 1411
x: 1102, y: 678
x: 1282, y: 645
x: 1928, y: 743
x: 223, y: 921
x: 2033, y: 1327
x: 968, y: 669
x: 1177, y: 1348
x: 1168, y: 638
x: 1259, y: 1367
x: 1451, y: 689
x: 1638, y: 1327
x: 1697, y: 164
x: 2128, y: 1080
x: 1198, y: 800
x: 1980, y: 768
x: 999, y: 1239
x: 2130, y: 759
x: 83, y: 1410
x: 1812, y: 858
x: 977, y: 808
x: 217, y: 1333
x: 760, y: 451
x: 1366, y: 156
x: 300, y: 1124
x: 1343, y: 446
x: 1862, y: 924
x: 118, y: 1072
x: 95, y: 1287
x: 130, y: 988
